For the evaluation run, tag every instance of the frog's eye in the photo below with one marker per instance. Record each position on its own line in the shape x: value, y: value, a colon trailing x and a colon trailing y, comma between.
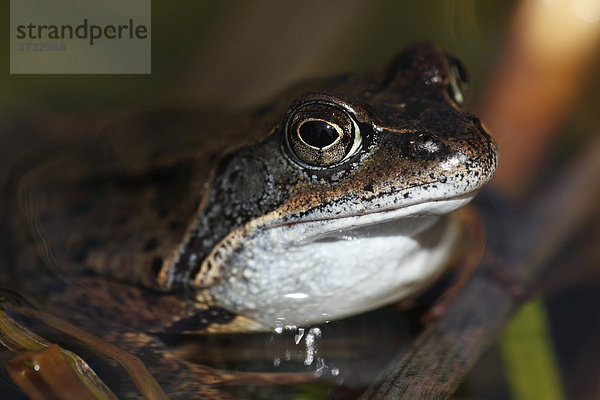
x: 458, y: 83
x: 320, y: 135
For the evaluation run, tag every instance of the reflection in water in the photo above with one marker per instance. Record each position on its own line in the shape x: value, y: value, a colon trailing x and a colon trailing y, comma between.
x: 342, y: 357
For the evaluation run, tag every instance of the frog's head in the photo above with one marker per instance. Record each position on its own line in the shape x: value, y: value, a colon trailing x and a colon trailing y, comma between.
x: 387, y: 143
x: 360, y: 152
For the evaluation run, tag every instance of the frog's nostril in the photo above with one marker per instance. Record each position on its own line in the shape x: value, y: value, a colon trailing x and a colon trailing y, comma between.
x: 429, y: 146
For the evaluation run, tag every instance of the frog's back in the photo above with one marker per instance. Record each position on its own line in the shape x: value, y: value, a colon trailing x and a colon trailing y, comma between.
x: 119, y: 203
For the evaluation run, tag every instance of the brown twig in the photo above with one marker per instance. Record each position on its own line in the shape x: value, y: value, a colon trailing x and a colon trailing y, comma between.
x: 138, y: 372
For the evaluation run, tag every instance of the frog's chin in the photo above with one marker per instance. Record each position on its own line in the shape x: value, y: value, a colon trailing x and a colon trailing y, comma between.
x: 328, y: 269
x: 332, y: 277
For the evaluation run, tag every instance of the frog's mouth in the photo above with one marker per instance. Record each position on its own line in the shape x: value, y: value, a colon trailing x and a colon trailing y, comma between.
x: 406, y: 221
x: 335, y: 218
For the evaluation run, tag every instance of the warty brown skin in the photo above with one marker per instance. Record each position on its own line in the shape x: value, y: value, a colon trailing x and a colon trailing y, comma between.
x: 158, y: 191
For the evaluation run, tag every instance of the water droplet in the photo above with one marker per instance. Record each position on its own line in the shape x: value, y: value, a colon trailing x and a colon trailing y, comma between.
x: 321, y: 367
x: 299, y: 335
x: 311, y: 346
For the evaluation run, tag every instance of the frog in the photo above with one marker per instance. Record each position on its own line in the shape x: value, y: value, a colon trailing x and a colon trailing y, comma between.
x: 334, y: 206
x: 335, y: 199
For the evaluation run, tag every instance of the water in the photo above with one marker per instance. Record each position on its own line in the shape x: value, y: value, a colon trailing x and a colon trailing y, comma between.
x: 340, y: 358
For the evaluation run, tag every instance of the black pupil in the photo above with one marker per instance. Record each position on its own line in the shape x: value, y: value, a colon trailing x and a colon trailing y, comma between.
x: 318, y: 133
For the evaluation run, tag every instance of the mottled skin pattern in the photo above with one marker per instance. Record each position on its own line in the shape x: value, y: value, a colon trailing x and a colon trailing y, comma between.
x: 404, y: 112
x: 164, y: 199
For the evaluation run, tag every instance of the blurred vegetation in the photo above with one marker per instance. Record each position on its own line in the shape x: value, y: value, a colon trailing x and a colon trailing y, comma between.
x: 232, y: 53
